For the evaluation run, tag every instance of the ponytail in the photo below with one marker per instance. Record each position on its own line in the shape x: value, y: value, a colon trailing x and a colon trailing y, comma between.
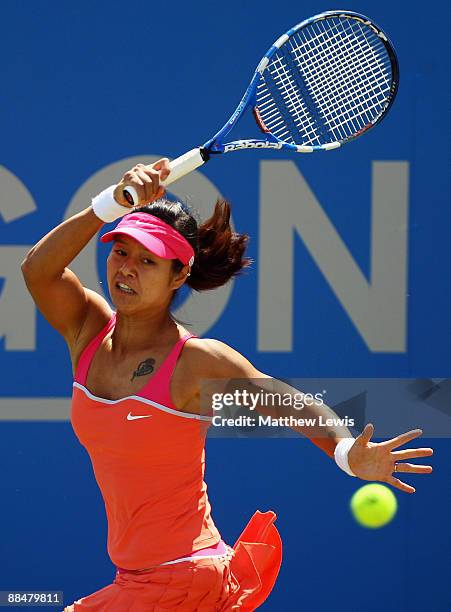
x: 218, y: 251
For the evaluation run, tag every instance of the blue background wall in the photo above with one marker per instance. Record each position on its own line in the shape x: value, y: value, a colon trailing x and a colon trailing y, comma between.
x: 87, y: 84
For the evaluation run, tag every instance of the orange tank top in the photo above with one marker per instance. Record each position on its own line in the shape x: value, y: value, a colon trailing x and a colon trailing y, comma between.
x: 149, y: 462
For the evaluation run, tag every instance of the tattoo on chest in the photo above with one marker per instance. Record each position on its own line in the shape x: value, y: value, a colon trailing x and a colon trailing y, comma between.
x: 145, y: 367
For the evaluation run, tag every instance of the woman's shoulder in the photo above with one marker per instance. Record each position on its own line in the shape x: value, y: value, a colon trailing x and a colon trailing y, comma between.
x: 204, y: 360
x: 210, y: 357
x: 208, y: 348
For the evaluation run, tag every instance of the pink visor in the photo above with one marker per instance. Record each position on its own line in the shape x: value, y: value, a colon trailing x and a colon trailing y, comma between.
x: 155, y: 235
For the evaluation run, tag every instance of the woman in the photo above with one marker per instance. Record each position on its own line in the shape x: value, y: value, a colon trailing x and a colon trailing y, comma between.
x: 136, y: 402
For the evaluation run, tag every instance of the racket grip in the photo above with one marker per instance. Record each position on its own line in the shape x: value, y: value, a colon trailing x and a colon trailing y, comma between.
x: 179, y: 167
x: 184, y: 165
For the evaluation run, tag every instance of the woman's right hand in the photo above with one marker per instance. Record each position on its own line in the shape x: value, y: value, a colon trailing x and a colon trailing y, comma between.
x: 146, y: 181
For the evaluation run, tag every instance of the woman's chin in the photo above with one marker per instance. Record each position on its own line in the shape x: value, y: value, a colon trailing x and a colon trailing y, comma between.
x: 124, y: 303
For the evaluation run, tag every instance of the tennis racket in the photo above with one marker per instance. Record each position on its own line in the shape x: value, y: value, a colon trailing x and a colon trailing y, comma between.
x: 326, y: 81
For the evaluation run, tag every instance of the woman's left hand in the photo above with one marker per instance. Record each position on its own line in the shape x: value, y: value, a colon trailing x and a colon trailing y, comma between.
x: 378, y: 461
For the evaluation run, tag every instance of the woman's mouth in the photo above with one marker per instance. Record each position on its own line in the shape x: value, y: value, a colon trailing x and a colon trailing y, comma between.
x: 123, y: 288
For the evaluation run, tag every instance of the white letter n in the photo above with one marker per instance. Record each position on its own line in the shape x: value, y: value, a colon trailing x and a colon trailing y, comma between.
x: 377, y: 308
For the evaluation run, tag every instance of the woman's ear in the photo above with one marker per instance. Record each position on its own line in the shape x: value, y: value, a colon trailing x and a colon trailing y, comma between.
x: 180, y: 277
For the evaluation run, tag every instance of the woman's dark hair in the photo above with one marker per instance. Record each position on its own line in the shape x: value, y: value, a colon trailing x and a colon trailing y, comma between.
x: 218, y: 251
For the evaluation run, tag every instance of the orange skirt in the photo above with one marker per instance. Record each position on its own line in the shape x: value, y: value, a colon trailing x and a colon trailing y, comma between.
x: 240, y: 580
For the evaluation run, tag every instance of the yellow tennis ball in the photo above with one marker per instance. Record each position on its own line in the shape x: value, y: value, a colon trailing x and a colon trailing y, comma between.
x: 373, y: 505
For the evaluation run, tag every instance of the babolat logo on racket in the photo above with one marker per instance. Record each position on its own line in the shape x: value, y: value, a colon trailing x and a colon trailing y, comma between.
x: 252, y: 144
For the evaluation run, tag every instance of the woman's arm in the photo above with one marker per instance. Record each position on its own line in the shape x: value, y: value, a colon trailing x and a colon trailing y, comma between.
x: 216, y: 360
x: 211, y: 359
x: 207, y: 361
x: 57, y: 291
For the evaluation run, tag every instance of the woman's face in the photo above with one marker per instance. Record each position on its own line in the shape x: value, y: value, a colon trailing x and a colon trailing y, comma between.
x: 138, y: 280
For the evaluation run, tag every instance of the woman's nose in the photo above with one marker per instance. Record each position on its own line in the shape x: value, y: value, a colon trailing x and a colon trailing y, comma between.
x: 127, y: 268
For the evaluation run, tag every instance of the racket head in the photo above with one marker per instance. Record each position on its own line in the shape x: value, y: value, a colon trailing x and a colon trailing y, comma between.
x: 323, y: 83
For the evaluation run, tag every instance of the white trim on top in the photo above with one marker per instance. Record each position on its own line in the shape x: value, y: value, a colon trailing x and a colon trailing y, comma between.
x: 142, y: 400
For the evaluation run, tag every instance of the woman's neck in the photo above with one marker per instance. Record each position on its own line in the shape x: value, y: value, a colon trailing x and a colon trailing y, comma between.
x: 138, y: 332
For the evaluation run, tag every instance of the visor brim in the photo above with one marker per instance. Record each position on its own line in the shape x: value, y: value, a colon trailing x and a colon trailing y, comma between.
x: 149, y: 242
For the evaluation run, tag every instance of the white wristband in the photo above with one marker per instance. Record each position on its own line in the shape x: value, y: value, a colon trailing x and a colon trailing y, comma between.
x: 341, y: 454
x: 106, y: 208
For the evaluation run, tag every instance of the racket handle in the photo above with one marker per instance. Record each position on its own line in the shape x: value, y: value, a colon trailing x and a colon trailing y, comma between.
x: 179, y: 167
x: 184, y: 165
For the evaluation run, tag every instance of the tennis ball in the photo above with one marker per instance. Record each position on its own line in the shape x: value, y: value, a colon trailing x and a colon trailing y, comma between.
x: 373, y: 505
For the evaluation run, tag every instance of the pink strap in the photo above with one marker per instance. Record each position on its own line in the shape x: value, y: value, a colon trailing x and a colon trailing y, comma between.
x: 158, y: 388
x: 88, y: 352
x: 167, y: 368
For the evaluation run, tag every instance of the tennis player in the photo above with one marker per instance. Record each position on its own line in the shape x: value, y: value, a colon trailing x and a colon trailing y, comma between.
x: 136, y: 408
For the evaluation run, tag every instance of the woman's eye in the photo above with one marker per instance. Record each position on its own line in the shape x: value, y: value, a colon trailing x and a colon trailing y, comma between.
x: 147, y: 261
x: 120, y: 252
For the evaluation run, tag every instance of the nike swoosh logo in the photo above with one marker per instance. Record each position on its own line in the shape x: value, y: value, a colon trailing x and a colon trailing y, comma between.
x: 130, y: 417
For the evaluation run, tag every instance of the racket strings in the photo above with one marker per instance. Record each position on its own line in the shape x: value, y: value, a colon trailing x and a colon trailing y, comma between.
x: 326, y: 83
x: 298, y: 114
x: 327, y: 75
x: 349, y: 81
x: 341, y: 97
x: 345, y: 75
x: 354, y: 46
x: 282, y: 107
